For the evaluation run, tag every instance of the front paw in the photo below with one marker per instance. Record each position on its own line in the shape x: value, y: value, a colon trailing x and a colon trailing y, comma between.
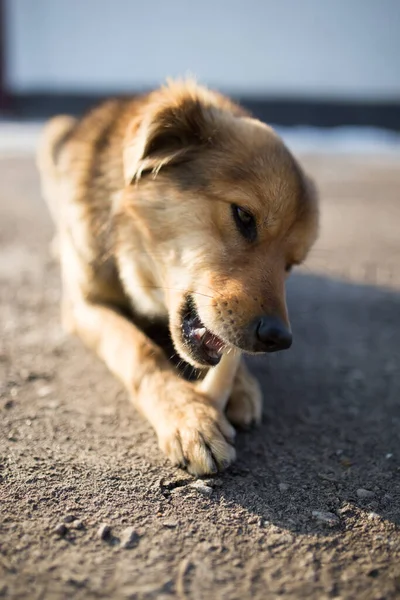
x: 245, y: 403
x: 195, y: 435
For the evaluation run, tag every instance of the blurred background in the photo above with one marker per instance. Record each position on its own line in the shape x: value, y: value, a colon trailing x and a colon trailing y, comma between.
x: 310, y: 63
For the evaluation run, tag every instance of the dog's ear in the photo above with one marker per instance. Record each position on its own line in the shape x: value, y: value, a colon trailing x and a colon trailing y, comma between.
x: 172, y: 129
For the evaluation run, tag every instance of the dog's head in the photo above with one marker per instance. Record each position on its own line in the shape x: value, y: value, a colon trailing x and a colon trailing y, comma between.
x: 224, y: 212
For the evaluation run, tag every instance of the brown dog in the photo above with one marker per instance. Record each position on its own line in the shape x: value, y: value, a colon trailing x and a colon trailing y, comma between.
x: 177, y: 209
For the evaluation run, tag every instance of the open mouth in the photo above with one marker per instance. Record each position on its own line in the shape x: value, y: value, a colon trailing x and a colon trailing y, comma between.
x: 204, y: 346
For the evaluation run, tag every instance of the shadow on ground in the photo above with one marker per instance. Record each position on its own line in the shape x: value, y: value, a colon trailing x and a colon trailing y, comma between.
x: 330, y: 434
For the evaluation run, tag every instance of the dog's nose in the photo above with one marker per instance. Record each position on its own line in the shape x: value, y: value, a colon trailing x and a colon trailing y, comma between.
x: 271, y: 335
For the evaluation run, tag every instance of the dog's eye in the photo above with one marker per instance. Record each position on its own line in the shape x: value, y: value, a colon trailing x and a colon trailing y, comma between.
x: 245, y: 222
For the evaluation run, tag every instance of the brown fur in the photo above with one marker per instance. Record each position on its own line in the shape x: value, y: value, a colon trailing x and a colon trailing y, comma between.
x: 141, y: 191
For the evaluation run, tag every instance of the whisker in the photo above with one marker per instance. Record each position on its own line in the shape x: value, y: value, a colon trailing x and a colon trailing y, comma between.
x: 160, y: 287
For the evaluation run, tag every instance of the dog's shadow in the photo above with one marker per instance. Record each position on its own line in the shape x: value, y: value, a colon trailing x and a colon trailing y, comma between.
x: 330, y: 436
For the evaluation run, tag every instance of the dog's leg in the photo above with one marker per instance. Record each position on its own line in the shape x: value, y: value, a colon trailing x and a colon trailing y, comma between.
x: 191, y: 430
x: 245, y: 404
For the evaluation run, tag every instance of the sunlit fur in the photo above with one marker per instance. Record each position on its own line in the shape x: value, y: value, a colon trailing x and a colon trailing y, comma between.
x: 141, y: 191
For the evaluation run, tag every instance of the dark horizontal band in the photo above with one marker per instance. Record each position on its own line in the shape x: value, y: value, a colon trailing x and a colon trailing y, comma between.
x: 279, y: 111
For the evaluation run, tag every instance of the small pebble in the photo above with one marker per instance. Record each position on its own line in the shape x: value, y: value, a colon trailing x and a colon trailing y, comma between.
x: 69, y: 518
x: 202, y: 488
x: 214, y: 482
x: 256, y: 521
x: 327, y: 518
x: 265, y: 523
x: 129, y: 538
x: 44, y: 391
x: 389, y: 455
x: 373, y: 515
x: 104, y: 532
x: 53, y: 404
x: 364, y: 494
x: 283, y: 487
x: 78, y: 524
x: 61, y: 529
x: 170, y: 524
x: 253, y: 519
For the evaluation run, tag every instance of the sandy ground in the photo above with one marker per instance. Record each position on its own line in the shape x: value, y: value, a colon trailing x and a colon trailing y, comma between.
x: 311, y: 509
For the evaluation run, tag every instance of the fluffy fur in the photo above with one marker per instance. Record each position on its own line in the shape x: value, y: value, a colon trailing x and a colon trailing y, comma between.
x: 141, y: 191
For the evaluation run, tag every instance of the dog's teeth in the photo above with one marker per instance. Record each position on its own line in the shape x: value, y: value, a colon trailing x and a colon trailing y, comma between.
x: 200, y: 332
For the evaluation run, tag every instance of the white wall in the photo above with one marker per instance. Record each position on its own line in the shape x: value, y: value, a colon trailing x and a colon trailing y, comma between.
x: 347, y: 48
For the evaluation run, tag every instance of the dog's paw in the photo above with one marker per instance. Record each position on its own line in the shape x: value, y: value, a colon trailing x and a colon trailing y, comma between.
x: 196, y: 436
x: 244, y: 406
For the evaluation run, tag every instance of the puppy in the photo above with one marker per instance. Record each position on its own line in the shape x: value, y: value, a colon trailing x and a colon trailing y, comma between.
x: 177, y: 210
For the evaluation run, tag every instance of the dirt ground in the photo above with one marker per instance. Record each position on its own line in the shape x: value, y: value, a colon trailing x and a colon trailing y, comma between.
x: 311, y: 509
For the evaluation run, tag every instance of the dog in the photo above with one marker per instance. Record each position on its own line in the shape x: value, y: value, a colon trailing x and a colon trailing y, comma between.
x: 177, y: 211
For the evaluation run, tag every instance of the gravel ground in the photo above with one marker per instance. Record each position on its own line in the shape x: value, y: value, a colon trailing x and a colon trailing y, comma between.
x: 311, y: 509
